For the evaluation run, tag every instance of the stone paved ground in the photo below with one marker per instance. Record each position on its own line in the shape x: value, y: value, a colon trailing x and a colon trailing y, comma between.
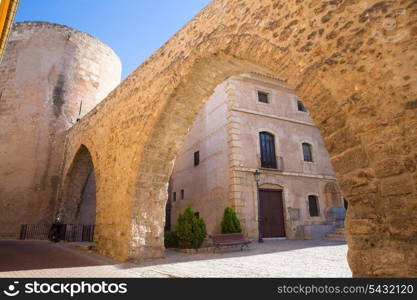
x: 274, y: 258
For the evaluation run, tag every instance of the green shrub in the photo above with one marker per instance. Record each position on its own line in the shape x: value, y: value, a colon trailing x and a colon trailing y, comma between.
x: 230, y: 223
x: 190, y: 230
x: 170, y: 239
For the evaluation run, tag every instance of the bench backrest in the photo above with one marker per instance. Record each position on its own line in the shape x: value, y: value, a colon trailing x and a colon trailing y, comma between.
x: 228, y: 237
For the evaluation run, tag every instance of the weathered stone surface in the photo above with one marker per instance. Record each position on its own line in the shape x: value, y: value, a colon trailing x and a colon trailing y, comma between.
x: 396, y: 186
x: 362, y: 226
x: 389, y: 167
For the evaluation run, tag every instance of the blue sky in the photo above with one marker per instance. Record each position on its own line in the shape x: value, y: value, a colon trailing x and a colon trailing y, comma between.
x: 134, y: 29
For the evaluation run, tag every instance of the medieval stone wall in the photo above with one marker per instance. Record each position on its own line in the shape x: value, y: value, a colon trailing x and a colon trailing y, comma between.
x: 233, y: 150
x: 353, y: 63
x: 50, y: 76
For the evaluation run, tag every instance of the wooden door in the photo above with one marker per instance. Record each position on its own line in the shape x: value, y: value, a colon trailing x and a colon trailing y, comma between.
x: 272, y: 213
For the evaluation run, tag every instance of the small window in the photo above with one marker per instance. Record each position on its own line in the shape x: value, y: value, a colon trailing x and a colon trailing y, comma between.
x: 263, y: 97
x: 174, y: 196
x: 301, y: 106
x: 267, y: 146
x: 313, y: 206
x: 196, y: 158
x: 197, y: 214
x: 182, y: 194
x: 307, y: 152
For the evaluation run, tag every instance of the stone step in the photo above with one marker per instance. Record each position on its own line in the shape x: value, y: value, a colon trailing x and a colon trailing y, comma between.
x: 338, y: 232
x: 332, y: 235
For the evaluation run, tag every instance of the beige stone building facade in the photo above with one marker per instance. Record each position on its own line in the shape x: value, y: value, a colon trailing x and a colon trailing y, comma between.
x: 255, y: 122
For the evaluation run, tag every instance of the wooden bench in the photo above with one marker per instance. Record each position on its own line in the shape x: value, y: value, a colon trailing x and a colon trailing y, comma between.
x: 230, y: 239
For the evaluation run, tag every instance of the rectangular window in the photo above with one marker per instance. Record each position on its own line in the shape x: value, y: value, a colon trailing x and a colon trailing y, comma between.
x: 197, y: 214
x: 263, y: 97
x: 182, y: 194
x: 196, y: 158
x: 174, y: 196
x: 300, y: 106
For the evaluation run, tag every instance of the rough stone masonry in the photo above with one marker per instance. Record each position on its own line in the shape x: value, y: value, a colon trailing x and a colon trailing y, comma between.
x: 353, y: 62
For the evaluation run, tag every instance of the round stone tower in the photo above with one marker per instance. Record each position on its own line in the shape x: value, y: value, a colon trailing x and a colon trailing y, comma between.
x: 50, y: 76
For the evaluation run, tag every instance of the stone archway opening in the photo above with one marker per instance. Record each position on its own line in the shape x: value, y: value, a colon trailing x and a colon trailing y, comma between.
x: 78, y: 202
x: 349, y: 156
x: 172, y: 129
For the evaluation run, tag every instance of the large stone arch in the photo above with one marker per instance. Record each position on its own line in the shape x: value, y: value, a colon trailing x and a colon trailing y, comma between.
x: 354, y: 75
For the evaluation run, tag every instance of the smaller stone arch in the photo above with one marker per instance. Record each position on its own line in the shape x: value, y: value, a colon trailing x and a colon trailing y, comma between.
x: 255, y: 136
x: 78, y: 203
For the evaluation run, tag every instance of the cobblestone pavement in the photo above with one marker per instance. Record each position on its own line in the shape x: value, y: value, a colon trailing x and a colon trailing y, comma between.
x: 274, y: 258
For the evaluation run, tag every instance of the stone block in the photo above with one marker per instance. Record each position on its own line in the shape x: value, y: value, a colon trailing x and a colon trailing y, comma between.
x: 341, y: 140
x: 294, y: 213
x: 350, y: 160
x: 388, y: 167
x: 362, y: 226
